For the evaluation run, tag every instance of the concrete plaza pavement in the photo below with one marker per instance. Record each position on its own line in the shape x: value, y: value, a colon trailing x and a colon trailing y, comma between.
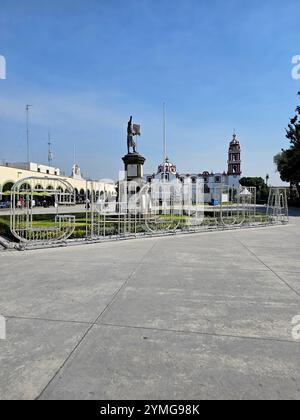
x: 200, y: 316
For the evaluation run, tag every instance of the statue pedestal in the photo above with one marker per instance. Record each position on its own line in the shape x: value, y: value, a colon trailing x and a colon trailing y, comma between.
x: 134, y: 166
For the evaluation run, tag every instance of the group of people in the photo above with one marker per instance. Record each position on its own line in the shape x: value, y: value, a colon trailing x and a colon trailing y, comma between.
x: 31, y: 203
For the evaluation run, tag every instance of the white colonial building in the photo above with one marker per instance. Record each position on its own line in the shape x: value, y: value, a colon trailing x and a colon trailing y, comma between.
x: 212, y: 180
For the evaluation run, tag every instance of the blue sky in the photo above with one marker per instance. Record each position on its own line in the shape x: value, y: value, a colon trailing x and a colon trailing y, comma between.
x: 86, y: 66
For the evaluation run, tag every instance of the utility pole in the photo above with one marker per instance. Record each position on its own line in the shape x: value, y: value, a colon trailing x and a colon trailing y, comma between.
x: 50, y: 154
x: 27, y: 132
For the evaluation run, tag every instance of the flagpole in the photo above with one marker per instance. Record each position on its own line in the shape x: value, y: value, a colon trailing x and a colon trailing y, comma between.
x: 165, y: 130
x: 27, y: 132
x: 164, y: 138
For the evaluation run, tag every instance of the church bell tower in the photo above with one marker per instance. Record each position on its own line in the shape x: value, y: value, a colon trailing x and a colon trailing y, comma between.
x: 234, y: 157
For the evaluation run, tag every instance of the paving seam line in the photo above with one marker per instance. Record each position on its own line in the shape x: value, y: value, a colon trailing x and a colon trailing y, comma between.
x: 269, y: 268
x: 95, y: 321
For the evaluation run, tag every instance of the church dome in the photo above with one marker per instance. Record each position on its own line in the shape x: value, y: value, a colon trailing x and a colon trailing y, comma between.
x: 167, y: 167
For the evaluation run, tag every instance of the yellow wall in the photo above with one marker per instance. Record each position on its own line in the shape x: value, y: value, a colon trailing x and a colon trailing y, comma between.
x: 13, y: 175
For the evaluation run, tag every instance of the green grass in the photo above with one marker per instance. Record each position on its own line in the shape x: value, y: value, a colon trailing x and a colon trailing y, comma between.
x: 45, y: 221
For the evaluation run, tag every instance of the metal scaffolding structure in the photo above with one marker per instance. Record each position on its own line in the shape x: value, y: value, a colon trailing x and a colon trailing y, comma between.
x: 137, y: 211
x: 24, y: 223
x: 277, y: 209
x: 236, y: 208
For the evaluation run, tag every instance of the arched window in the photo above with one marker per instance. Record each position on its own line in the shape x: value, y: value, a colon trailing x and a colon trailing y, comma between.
x: 25, y: 187
x: 206, y: 189
x: 7, y: 186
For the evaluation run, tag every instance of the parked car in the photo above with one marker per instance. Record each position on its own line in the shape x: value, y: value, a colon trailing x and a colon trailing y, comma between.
x: 45, y: 204
x: 214, y: 202
x: 4, y: 205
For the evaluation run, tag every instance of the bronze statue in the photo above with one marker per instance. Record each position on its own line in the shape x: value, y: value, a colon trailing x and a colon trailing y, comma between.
x: 132, y: 131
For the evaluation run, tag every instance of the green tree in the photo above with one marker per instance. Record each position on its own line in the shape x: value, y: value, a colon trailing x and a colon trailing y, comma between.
x: 288, y: 161
x: 262, y: 190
